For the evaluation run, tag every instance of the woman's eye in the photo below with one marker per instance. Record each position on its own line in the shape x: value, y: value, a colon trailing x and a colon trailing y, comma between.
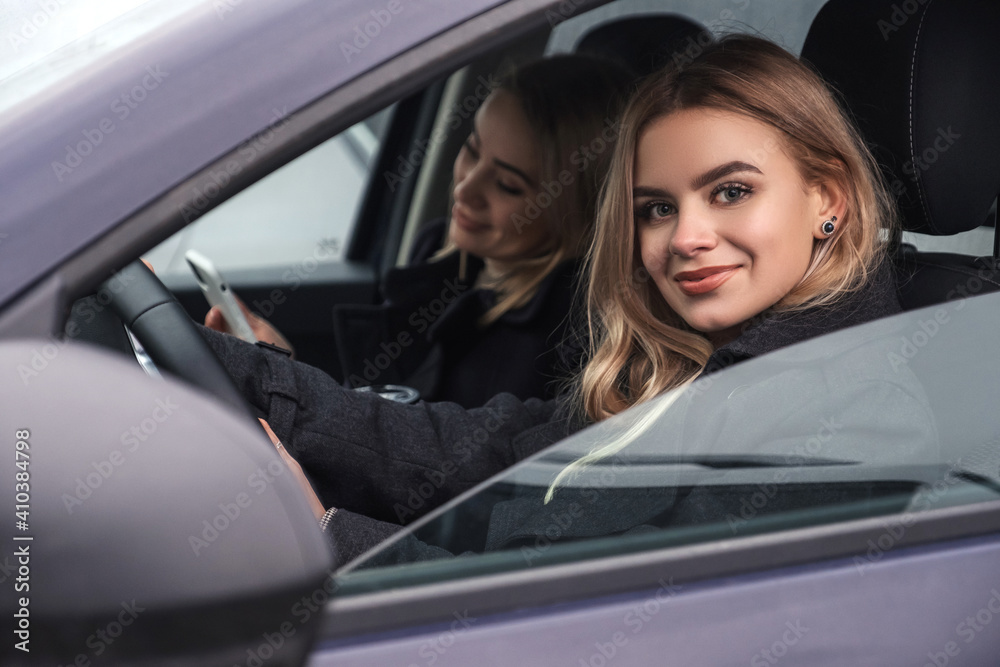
x: 655, y: 211
x: 509, y: 189
x: 471, y: 149
x: 730, y: 194
x: 659, y: 210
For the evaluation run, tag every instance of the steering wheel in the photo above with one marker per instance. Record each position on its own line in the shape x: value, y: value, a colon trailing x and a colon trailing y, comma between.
x: 168, y: 334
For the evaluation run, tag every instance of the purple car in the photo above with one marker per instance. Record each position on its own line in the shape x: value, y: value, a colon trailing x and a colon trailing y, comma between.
x: 300, y: 144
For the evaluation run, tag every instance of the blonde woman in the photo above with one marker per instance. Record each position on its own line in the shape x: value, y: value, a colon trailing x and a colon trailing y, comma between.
x: 482, y: 306
x: 742, y: 213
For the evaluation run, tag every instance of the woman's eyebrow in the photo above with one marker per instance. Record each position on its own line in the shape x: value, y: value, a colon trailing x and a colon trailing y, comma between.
x: 722, y: 171
x: 644, y: 191
x: 512, y: 168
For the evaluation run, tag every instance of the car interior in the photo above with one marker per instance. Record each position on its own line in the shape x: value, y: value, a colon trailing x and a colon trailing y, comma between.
x: 924, y: 145
x: 329, y: 224
x: 946, y: 186
x: 406, y: 182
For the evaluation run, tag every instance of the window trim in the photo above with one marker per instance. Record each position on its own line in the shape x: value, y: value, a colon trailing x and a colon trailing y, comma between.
x: 492, y: 594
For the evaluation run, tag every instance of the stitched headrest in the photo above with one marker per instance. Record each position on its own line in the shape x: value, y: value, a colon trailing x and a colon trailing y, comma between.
x: 922, y: 78
x: 644, y: 44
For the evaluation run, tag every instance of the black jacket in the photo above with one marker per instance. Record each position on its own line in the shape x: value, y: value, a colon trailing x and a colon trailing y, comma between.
x: 384, y: 463
x: 425, y: 335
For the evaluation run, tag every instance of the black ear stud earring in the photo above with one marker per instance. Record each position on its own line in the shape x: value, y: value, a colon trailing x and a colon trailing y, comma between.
x: 829, y: 227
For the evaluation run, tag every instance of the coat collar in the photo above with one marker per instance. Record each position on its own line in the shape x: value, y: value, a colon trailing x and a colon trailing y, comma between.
x: 769, y: 332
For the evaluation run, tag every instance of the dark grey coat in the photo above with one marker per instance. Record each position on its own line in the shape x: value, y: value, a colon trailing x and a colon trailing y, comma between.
x: 384, y: 464
x: 426, y: 334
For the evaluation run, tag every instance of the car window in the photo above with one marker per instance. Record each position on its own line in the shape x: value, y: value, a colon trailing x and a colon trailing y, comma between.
x: 892, y: 418
x: 301, y: 213
x: 977, y: 242
x: 788, y: 27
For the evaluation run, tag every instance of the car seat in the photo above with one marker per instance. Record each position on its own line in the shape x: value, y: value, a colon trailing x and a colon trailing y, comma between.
x: 922, y: 80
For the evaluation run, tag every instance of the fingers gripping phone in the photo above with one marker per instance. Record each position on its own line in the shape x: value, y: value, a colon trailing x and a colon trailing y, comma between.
x: 217, y: 292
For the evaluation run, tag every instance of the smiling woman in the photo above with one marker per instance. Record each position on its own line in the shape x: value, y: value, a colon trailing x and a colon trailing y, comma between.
x: 489, y: 312
x: 742, y: 191
x: 713, y: 246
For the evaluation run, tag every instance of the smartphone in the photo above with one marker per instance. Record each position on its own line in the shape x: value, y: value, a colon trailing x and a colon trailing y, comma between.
x: 217, y: 292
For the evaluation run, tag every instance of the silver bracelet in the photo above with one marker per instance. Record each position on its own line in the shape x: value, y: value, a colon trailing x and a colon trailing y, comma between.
x: 326, y: 518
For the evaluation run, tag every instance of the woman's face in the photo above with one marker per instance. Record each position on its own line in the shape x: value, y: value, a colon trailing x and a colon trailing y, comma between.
x: 725, y: 223
x: 496, y: 177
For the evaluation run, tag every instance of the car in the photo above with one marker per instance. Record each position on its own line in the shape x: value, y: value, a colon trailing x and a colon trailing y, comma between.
x: 302, y: 145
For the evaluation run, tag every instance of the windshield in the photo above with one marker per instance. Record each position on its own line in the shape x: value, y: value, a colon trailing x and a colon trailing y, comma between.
x: 47, y: 42
x: 894, y: 417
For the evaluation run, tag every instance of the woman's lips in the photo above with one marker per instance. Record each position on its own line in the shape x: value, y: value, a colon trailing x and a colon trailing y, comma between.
x: 704, y: 280
x: 464, y: 222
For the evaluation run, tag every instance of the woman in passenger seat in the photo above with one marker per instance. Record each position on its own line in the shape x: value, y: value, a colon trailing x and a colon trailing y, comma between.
x: 482, y: 308
x: 742, y: 213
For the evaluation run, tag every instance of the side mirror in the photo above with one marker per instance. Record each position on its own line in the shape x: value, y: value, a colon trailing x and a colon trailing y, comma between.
x: 145, y: 522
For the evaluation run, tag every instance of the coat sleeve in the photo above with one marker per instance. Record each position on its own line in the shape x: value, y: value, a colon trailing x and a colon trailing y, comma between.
x: 371, y: 456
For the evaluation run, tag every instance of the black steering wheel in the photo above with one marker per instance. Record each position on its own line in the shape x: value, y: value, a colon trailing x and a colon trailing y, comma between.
x: 168, y: 334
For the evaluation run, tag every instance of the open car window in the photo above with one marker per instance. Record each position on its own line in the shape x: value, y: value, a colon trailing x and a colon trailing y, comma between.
x: 892, y: 419
x: 300, y: 215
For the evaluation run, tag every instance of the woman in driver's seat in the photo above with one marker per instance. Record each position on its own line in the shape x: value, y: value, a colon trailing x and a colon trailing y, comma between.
x: 483, y: 305
x: 742, y: 213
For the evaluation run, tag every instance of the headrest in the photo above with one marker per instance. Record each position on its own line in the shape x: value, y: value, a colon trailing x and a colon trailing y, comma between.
x: 922, y: 78
x: 646, y: 43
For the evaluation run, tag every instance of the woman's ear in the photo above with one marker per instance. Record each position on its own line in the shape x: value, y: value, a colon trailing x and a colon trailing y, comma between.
x: 831, y: 204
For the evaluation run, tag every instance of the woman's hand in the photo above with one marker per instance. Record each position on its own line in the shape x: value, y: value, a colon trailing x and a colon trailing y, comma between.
x: 314, y: 502
x: 262, y: 329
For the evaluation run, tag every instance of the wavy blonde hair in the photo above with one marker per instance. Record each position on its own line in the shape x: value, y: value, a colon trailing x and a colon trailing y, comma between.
x: 638, y: 346
x: 571, y: 102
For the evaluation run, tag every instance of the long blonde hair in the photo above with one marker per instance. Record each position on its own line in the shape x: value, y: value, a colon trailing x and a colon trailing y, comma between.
x: 572, y: 103
x: 638, y: 346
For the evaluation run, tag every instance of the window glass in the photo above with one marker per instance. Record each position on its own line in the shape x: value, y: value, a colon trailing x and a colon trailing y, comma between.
x: 977, y: 242
x: 786, y: 25
x: 894, y: 417
x: 306, y: 209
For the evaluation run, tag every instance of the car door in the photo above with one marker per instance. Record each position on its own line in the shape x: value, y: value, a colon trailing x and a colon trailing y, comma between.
x: 854, y: 521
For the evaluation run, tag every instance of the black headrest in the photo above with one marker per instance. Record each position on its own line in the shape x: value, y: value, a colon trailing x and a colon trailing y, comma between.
x: 922, y: 78
x: 646, y: 43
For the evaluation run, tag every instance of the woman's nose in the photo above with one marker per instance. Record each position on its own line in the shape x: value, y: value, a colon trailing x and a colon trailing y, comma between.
x: 469, y: 187
x: 693, y: 233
